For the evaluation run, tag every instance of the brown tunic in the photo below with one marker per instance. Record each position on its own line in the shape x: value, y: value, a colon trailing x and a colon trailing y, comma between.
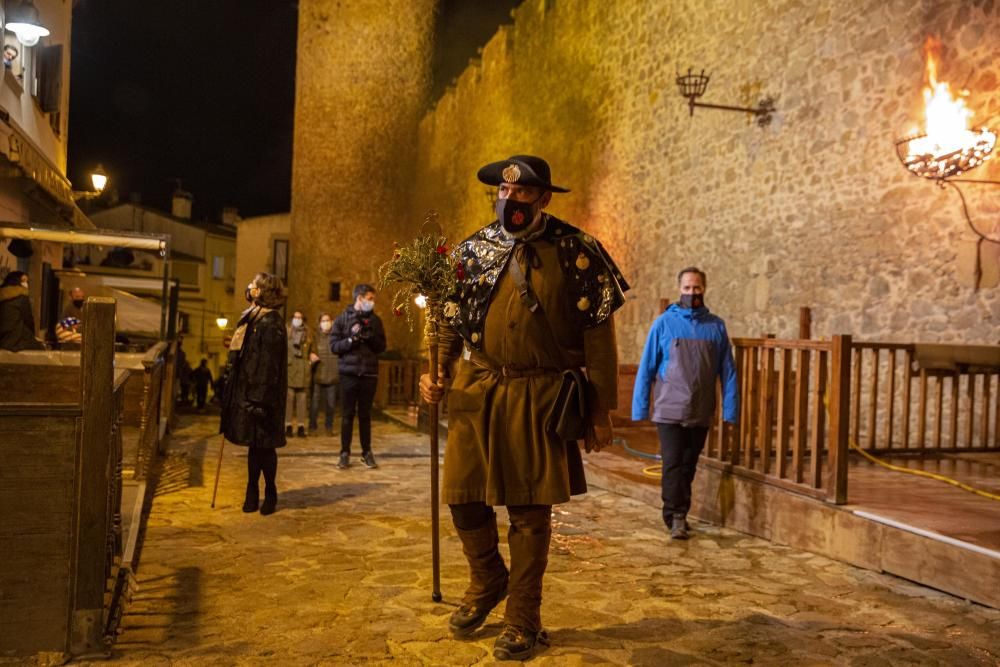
x: 498, y: 449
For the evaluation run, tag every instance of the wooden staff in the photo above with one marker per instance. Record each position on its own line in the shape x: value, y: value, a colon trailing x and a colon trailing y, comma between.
x: 432, y: 352
x: 218, y: 469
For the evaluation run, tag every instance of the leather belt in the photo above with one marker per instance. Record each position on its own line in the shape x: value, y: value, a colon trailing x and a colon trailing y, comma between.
x: 485, y: 362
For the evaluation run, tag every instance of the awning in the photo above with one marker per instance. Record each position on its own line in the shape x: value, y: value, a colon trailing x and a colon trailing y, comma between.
x: 103, y: 237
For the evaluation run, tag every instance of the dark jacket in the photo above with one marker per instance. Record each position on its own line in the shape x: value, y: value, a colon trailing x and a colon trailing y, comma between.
x: 358, y: 339
x: 325, y: 371
x: 253, y: 404
x: 17, y: 324
x: 687, y: 349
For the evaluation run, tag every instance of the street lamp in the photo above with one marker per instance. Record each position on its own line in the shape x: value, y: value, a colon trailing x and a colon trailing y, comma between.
x: 23, y: 22
x: 99, y: 178
x: 222, y: 321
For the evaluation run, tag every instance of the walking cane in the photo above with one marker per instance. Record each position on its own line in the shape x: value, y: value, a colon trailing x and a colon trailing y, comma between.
x: 432, y: 352
x: 218, y: 469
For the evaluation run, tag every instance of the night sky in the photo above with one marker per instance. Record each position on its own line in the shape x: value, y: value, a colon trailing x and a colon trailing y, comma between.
x: 204, y: 91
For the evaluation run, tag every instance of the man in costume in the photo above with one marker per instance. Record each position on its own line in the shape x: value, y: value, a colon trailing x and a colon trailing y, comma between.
x: 535, y: 297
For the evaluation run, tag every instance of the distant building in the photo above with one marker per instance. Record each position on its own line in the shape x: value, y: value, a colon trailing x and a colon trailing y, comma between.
x: 202, y: 260
x: 262, y: 244
x: 34, y: 117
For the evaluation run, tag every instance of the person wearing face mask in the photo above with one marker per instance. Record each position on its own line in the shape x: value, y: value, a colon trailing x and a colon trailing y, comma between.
x: 301, y: 356
x: 535, y: 297
x: 17, y: 324
x: 326, y: 378
x: 253, y: 401
x: 357, y: 338
x: 74, y: 307
x: 686, y: 351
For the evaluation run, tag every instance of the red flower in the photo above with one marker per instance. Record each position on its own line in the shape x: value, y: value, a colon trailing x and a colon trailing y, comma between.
x: 517, y: 218
x: 398, y: 312
x: 442, y: 249
x: 460, y: 271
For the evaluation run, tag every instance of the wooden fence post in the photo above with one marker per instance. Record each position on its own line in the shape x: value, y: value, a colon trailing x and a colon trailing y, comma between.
x: 839, y: 398
x: 805, y: 323
x: 93, y: 475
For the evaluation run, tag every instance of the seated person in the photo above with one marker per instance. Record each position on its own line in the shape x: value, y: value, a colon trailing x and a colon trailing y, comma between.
x: 17, y: 324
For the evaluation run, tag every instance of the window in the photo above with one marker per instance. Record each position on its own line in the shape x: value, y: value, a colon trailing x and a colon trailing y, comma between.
x: 218, y: 267
x: 280, y: 259
x: 334, y: 291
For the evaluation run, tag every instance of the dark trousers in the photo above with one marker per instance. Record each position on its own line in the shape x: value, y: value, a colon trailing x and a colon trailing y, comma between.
x: 357, y: 392
x: 201, y: 394
x: 262, y: 460
x: 680, y: 447
x: 325, y: 396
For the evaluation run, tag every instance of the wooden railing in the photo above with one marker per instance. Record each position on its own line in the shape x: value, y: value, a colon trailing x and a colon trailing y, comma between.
x: 154, y: 383
x: 398, y: 381
x: 924, y: 398
x: 61, y: 438
x: 793, y: 419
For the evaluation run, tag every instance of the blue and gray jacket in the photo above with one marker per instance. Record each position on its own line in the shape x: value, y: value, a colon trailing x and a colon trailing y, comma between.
x: 687, y: 349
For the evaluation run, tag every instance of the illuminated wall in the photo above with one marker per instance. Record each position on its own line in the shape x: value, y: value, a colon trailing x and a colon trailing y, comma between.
x: 814, y: 210
x: 361, y: 88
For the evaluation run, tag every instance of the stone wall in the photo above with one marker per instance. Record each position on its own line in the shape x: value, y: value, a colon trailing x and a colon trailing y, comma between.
x: 361, y: 88
x: 814, y: 210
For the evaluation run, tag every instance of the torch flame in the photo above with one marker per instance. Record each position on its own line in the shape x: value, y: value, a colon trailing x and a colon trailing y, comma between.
x: 947, y: 119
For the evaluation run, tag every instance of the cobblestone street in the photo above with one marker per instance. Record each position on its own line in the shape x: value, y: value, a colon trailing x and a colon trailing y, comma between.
x: 341, y: 575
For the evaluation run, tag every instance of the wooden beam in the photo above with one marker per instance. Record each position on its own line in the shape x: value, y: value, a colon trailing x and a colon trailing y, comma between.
x: 840, y: 395
x: 93, y: 476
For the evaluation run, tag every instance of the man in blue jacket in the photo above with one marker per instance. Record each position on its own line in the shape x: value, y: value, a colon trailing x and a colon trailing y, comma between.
x: 687, y: 349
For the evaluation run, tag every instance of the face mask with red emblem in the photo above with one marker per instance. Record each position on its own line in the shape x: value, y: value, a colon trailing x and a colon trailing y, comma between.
x: 516, y: 215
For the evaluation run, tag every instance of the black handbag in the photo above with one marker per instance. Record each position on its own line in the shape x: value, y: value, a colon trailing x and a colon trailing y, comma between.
x: 568, y: 419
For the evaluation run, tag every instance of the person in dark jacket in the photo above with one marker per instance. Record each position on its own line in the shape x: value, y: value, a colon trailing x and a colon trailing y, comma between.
x: 17, y: 324
x: 253, y: 407
x: 325, y: 376
x: 202, y: 378
x: 301, y: 356
x: 686, y: 351
x: 358, y: 338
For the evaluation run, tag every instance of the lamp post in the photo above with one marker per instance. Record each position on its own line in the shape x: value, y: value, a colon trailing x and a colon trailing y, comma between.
x: 222, y: 322
x: 24, y: 23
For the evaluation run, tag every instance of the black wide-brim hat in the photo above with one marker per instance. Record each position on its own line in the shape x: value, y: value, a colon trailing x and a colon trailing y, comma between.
x: 526, y: 170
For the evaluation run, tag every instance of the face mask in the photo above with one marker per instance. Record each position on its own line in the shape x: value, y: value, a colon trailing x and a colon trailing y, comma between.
x: 246, y: 293
x: 24, y: 284
x: 78, y: 303
x: 296, y: 322
x: 692, y: 301
x: 325, y: 326
x: 367, y: 306
x: 515, y: 215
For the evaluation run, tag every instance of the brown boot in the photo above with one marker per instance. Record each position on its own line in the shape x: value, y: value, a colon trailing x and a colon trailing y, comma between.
x: 529, y: 537
x: 487, y: 578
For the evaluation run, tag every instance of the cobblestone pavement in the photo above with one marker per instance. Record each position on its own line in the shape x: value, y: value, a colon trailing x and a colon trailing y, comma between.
x: 341, y: 575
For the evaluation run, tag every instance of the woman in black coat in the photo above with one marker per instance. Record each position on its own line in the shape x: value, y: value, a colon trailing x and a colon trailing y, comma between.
x: 17, y: 324
x: 253, y: 406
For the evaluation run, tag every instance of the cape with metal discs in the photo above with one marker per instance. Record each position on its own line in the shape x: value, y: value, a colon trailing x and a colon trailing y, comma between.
x: 598, y: 287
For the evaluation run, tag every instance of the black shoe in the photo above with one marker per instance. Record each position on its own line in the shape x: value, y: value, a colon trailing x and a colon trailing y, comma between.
x: 679, y: 528
x: 302, y: 432
x: 252, y: 500
x: 369, y: 459
x: 289, y: 433
x: 270, y: 502
x: 345, y: 461
x: 469, y: 617
x: 516, y: 643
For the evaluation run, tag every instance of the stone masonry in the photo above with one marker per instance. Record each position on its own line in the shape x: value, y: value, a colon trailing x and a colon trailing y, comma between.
x: 361, y: 87
x: 814, y: 210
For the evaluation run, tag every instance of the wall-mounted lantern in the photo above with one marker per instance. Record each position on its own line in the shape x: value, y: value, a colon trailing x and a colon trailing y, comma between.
x: 23, y: 21
x: 692, y: 86
x: 222, y: 322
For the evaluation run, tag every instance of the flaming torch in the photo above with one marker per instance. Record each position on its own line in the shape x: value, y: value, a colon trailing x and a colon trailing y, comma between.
x: 948, y: 148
